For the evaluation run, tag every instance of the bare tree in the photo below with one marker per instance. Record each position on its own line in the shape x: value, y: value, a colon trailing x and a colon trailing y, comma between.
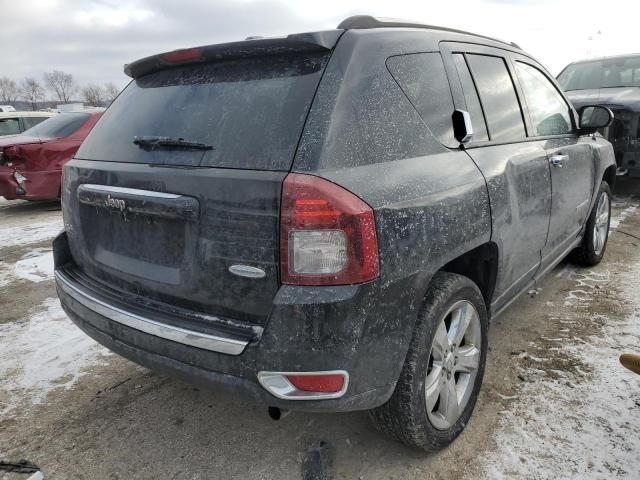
x: 62, y: 84
x: 93, y: 95
x: 32, y: 92
x: 111, y: 91
x: 9, y: 91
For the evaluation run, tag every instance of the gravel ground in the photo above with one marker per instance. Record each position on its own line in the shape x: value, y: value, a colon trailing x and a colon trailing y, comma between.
x: 555, y: 403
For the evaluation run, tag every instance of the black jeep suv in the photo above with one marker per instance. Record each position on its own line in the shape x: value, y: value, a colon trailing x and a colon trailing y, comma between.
x: 328, y: 221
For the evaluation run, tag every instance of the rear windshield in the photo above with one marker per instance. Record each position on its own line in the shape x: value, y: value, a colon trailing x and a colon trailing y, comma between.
x: 250, y: 111
x: 605, y: 73
x: 58, y: 126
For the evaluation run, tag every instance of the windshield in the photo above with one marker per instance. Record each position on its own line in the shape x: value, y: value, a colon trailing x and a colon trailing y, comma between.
x: 248, y: 113
x: 605, y: 73
x: 61, y: 125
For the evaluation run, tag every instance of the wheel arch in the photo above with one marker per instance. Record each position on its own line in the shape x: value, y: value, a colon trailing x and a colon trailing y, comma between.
x: 609, y: 175
x: 480, y: 265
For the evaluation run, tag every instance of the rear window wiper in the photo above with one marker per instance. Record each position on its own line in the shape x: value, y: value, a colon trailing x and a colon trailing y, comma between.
x: 152, y: 142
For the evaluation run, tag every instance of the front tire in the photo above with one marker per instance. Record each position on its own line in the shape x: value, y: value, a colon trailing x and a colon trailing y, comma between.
x: 591, y: 250
x: 441, y: 377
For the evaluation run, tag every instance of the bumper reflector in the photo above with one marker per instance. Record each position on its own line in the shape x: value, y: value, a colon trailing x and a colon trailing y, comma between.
x: 305, y: 385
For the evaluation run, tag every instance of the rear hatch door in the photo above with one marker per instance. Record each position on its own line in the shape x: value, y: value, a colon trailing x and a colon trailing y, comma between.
x: 174, y: 196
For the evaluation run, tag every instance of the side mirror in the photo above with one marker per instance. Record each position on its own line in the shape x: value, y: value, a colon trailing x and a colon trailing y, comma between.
x: 462, y: 128
x: 593, y: 117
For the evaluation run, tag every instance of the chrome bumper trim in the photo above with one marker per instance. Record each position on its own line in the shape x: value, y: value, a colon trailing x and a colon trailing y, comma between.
x: 205, y: 341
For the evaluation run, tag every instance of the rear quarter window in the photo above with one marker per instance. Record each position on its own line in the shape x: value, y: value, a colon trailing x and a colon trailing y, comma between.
x: 423, y: 79
x: 251, y: 111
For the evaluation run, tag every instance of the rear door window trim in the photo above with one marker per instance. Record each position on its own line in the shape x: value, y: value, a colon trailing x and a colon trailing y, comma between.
x: 448, y: 49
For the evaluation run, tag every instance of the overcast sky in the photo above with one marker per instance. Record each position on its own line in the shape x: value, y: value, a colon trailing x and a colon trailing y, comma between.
x: 93, y: 39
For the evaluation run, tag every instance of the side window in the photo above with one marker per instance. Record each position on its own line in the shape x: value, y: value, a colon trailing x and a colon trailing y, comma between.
x: 423, y: 80
x: 9, y: 126
x: 549, y: 112
x: 498, y: 96
x: 471, y: 99
x: 32, y: 121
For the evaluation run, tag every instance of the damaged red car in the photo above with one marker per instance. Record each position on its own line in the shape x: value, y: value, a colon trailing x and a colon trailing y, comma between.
x: 31, y: 163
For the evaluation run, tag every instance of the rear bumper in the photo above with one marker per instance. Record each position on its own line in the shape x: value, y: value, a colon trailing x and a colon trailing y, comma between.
x: 206, y: 341
x: 364, y: 330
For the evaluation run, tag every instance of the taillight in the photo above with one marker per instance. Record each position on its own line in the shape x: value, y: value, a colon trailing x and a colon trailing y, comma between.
x: 318, y: 385
x: 327, y: 234
x: 183, y: 56
x: 328, y: 383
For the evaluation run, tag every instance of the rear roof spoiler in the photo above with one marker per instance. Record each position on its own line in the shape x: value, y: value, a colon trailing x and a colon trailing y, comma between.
x: 296, y: 43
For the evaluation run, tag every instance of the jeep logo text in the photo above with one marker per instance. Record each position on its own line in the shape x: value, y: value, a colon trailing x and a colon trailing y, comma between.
x: 115, y: 203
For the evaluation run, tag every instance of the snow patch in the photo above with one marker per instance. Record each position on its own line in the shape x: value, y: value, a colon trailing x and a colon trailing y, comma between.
x: 583, y: 424
x: 586, y: 283
x: 42, y: 353
x: 37, y: 231
x: 36, y: 266
x: 627, y: 209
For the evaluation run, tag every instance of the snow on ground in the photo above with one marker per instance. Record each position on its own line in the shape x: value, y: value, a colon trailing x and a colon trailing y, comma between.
x: 37, y: 231
x: 4, y: 203
x: 584, y: 423
x: 36, y: 266
x: 42, y: 353
x: 627, y: 208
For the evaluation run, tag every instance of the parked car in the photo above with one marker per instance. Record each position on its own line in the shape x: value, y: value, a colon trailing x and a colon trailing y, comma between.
x: 615, y: 83
x: 31, y: 163
x: 14, y: 123
x: 328, y: 221
x: 7, y: 108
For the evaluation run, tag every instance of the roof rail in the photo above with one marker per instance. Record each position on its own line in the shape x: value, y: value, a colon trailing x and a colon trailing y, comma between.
x: 368, y: 21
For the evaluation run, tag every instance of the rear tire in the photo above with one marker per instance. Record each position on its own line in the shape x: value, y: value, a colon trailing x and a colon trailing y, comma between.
x: 594, y: 243
x: 445, y: 362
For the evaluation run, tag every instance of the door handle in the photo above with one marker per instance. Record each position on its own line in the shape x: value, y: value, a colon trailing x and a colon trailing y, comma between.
x: 557, y: 160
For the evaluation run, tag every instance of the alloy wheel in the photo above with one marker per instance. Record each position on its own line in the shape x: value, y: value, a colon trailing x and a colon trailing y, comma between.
x: 601, y: 225
x: 454, y: 360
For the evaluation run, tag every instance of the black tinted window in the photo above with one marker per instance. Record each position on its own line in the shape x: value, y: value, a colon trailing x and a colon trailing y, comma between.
x: 549, y: 112
x: 498, y: 96
x: 251, y: 111
x: 423, y: 79
x: 471, y: 99
x: 58, y: 126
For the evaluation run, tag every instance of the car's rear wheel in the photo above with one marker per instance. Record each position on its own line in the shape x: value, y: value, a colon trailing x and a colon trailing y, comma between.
x: 594, y: 243
x: 441, y: 377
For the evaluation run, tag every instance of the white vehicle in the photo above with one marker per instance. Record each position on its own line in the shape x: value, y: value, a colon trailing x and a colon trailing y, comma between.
x: 14, y: 123
x: 7, y: 108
